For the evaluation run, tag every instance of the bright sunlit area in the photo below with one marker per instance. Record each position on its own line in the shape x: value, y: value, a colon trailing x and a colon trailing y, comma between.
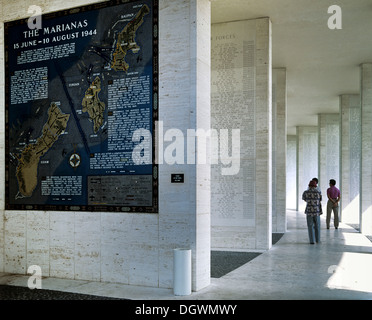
x: 353, y: 272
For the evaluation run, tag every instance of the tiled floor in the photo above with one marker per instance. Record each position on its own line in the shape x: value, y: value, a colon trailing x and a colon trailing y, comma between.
x: 337, y: 268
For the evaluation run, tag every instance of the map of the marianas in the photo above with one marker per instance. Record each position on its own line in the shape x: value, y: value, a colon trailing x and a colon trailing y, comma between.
x: 75, y: 66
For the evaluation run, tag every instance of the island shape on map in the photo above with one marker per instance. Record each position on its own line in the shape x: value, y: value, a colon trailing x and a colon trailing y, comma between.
x: 126, y: 41
x: 93, y: 105
x: 30, y: 157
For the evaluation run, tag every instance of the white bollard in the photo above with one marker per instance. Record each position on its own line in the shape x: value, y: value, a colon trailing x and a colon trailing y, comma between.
x: 182, y: 272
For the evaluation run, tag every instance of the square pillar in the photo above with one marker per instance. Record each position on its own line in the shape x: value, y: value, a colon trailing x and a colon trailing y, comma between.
x: 279, y: 216
x: 291, y: 185
x: 184, y: 106
x: 329, y: 151
x: 241, y: 99
x: 264, y: 134
x: 366, y: 150
x: 350, y: 137
x: 307, y: 160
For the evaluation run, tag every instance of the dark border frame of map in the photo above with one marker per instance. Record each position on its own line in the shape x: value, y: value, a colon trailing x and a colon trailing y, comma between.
x: 155, y: 109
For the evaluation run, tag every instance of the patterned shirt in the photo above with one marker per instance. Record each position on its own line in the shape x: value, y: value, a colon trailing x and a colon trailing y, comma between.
x: 312, y: 197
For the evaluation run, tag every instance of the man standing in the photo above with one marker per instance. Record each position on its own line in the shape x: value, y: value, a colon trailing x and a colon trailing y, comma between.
x: 313, y: 211
x: 334, y: 196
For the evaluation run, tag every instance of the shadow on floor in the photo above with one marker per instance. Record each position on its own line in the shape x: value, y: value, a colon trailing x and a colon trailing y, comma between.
x: 24, y: 293
x: 223, y: 262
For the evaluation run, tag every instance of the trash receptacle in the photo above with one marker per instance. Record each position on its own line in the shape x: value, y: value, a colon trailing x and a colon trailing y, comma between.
x: 182, y: 272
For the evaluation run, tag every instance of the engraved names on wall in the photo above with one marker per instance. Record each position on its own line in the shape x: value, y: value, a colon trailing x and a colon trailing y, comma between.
x: 233, y: 107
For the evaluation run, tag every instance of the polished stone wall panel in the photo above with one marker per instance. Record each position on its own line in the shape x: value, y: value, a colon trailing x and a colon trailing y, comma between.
x: 291, y: 162
x: 350, y: 138
x: 329, y: 151
x: 366, y: 149
x: 279, y: 155
x: 135, y: 249
x: 307, y: 160
x: 242, y: 82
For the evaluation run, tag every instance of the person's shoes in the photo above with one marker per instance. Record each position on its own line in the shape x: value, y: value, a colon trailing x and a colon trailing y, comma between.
x: 336, y: 228
x: 328, y: 228
x: 311, y: 242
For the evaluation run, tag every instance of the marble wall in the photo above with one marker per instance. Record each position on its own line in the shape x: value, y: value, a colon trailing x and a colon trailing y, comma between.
x: 291, y: 184
x: 307, y: 160
x: 350, y: 135
x: 129, y: 248
x: 329, y: 151
x: 279, y: 217
x: 241, y: 99
x: 366, y: 149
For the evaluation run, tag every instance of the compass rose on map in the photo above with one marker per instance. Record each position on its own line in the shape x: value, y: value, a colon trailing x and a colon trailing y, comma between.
x: 74, y: 160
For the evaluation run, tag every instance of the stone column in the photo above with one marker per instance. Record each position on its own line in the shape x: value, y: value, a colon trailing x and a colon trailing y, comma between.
x: 366, y: 150
x: 291, y: 183
x: 264, y: 134
x: 329, y: 151
x: 350, y: 157
x: 307, y: 160
x: 184, y: 107
x: 242, y: 99
x: 201, y: 98
x: 279, y: 150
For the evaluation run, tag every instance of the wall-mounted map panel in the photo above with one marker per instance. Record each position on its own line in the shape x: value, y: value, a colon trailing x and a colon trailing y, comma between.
x: 81, y: 105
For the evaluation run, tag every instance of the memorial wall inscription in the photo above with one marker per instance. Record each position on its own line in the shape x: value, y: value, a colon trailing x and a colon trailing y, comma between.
x: 76, y: 91
x: 233, y: 106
